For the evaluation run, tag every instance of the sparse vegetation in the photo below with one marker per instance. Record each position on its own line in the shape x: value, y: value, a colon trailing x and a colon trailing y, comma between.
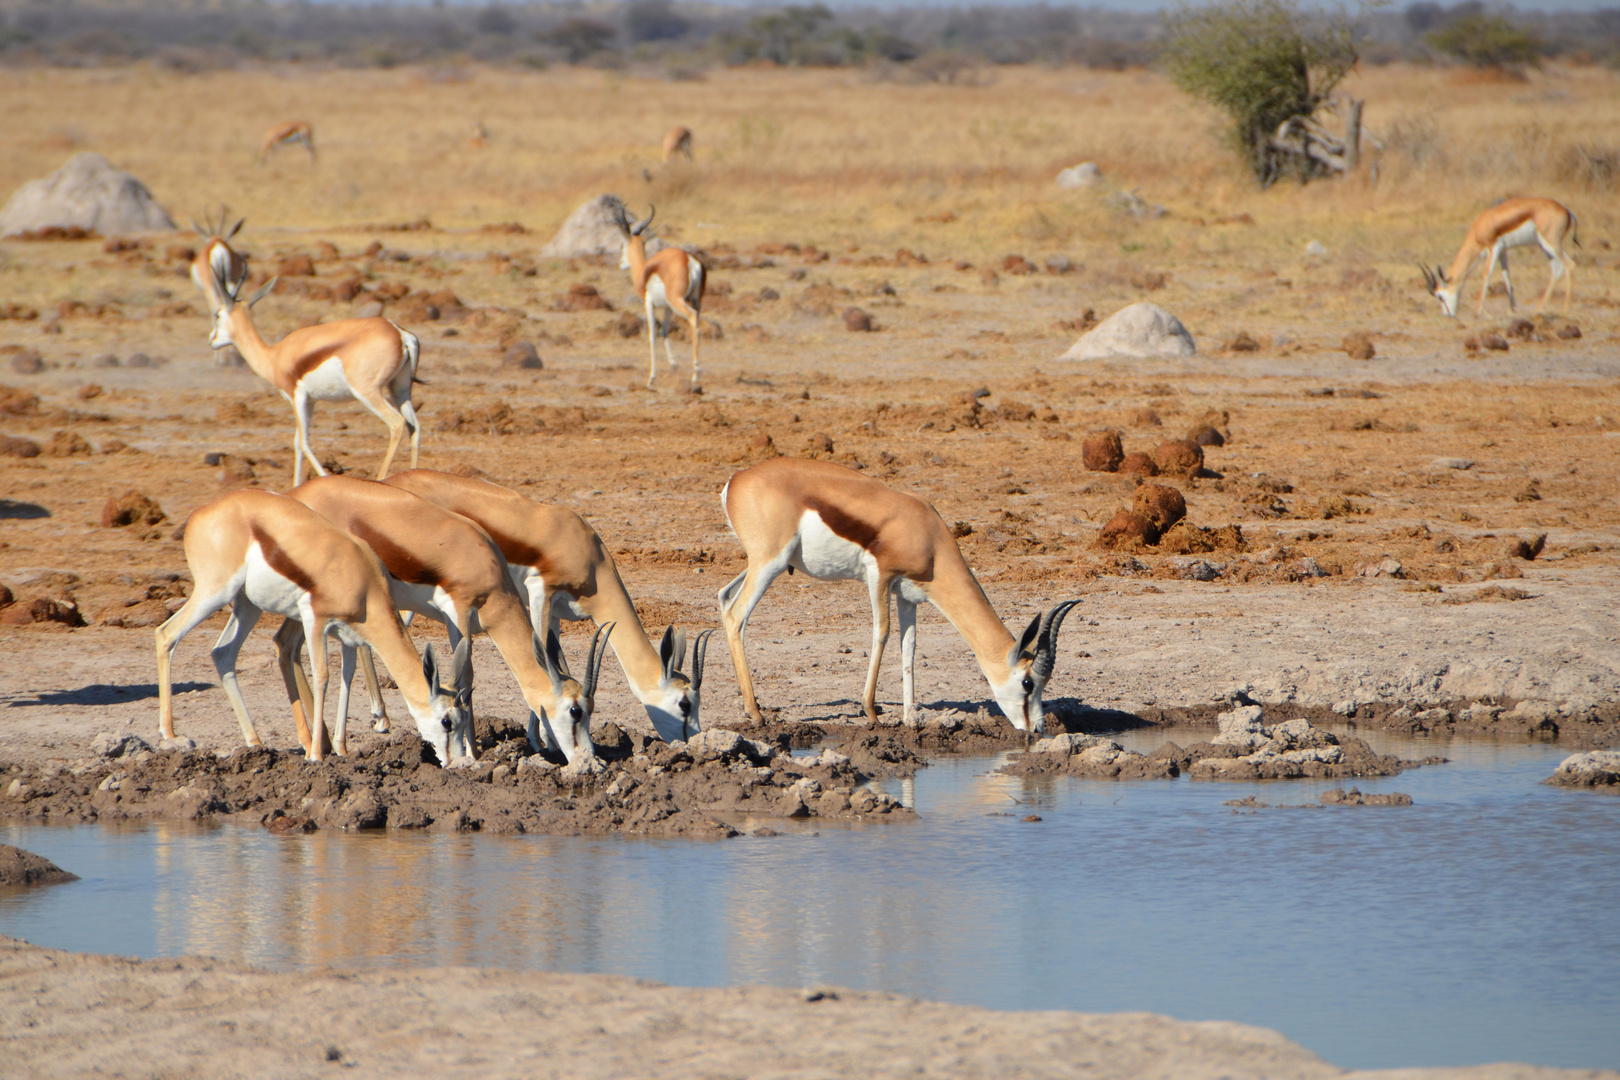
x: 1487, y: 41
x: 1263, y: 63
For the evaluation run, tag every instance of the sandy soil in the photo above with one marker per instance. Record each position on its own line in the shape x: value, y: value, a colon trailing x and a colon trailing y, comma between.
x: 67, y: 1015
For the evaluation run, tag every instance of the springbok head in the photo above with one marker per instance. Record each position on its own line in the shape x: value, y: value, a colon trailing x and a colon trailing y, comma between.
x: 215, y: 236
x: 1442, y: 289
x: 1030, y: 663
x: 675, y: 714
x: 447, y: 725
x: 633, y: 232
x: 569, y: 731
x: 221, y: 265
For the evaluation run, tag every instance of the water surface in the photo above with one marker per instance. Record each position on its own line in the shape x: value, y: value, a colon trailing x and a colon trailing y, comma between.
x: 1478, y: 925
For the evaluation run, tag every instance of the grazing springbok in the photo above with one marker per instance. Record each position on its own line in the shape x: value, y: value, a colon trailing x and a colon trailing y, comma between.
x: 216, y: 235
x: 833, y: 523
x: 446, y: 567
x: 293, y: 131
x: 1539, y: 223
x: 672, y: 279
x: 677, y: 140
x: 372, y: 361
x: 255, y: 551
x: 559, y: 562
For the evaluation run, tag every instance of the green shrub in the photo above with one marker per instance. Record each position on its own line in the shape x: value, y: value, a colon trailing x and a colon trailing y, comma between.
x: 1262, y: 62
x: 1487, y: 41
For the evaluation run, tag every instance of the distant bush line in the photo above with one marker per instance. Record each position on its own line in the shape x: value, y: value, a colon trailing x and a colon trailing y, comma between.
x: 683, y: 39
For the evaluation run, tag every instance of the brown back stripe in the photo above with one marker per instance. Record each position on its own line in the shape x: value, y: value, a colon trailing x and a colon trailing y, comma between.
x: 281, y: 562
x: 401, y: 563
x: 844, y: 524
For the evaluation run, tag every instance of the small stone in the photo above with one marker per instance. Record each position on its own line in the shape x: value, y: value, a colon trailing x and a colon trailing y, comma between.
x: 523, y: 355
x: 857, y: 321
x: 1315, y: 247
x: 1460, y: 464
x: 119, y: 744
x: 1359, y: 346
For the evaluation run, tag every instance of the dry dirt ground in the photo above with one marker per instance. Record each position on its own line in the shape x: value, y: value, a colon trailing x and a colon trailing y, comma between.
x: 67, y: 1015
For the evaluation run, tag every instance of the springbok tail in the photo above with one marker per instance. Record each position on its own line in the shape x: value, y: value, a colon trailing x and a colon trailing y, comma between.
x: 1574, y: 229
x: 413, y: 350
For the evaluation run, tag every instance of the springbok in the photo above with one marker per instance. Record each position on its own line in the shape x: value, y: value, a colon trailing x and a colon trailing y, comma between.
x: 216, y: 235
x: 255, y: 551
x: 1540, y: 223
x: 672, y: 279
x: 560, y: 563
x: 677, y: 140
x: 371, y: 360
x: 293, y: 131
x: 833, y: 523
x: 446, y: 567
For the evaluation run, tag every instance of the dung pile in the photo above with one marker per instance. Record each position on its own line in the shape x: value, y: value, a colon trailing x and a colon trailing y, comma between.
x: 653, y: 788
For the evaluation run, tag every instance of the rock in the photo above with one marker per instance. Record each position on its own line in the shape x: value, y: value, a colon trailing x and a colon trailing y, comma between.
x: 1102, y: 451
x: 68, y: 444
x: 11, y: 446
x: 1494, y: 342
x: 1241, y: 727
x: 1164, y: 506
x: 27, y: 362
x: 714, y: 743
x: 592, y: 229
x: 1059, y: 264
x: 1140, y: 331
x: 86, y: 193
x: 1595, y: 768
x: 131, y: 508
x: 118, y: 744
x: 1179, y: 456
x: 1315, y: 247
x: 179, y: 743
x: 1359, y: 346
x: 857, y: 321
x: 19, y: 867
x: 42, y: 609
x: 1127, y: 526
x: 1084, y: 175
x: 1460, y: 464
x: 524, y: 355
x: 1198, y: 570
x: 1521, y: 548
x: 1354, y: 797
x: 15, y: 402
x: 1138, y: 463
x: 1071, y: 743
x: 1205, y: 435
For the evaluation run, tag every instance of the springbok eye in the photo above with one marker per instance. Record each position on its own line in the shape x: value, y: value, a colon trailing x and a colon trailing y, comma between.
x: 1029, y: 685
x: 446, y: 724
x: 576, y: 712
x: 686, y: 707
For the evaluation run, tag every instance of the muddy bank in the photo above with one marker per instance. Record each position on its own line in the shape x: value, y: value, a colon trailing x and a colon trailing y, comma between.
x: 706, y: 787
x: 1595, y: 769
x: 19, y: 867
x: 1246, y: 748
x: 69, y: 1014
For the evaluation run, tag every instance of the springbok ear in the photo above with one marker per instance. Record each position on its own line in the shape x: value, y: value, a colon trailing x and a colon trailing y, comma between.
x: 264, y: 290
x: 234, y: 228
x: 219, y: 261
x: 1031, y: 632
x: 430, y: 668
x: 1441, y: 274
x: 666, y: 651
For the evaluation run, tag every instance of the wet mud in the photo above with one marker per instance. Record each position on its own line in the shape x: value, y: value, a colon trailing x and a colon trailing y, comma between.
x: 19, y: 867
x: 703, y: 788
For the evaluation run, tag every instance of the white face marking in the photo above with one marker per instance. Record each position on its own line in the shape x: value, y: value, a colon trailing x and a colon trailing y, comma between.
x: 825, y: 555
x: 1022, y: 707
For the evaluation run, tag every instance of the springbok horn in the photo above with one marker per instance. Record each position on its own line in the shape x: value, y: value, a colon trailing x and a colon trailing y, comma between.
x: 1428, y: 277
x: 642, y: 227
x: 1046, y: 644
x: 548, y: 656
x: 263, y: 291
x: 461, y: 669
x: 593, y: 664
x: 700, y: 653
x: 198, y: 229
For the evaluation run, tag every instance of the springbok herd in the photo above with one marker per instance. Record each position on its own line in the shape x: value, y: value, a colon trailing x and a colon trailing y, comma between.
x: 343, y: 557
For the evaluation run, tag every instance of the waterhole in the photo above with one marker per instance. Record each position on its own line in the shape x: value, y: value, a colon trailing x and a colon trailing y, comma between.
x: 1477, y: 925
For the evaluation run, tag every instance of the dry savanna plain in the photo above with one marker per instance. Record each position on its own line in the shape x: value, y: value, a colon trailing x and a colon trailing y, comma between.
x: 1423, y: 540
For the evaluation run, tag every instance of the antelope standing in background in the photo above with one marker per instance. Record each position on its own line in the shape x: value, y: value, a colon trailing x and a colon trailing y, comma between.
x: 254, y: 551
x: 677, y: 140
x: 293, y: 131
x: 670, y: 280
x: 1540, y: 223
x: 559, y: 562
x: 216, y: 235
x: 833, y: 523
x: 372, y: 361
x: 446, y: 567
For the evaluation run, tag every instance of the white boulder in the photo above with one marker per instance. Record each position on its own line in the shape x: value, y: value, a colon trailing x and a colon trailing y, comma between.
x: 87, y: 193
x: 1141, y: 331
x: 1084, y: 175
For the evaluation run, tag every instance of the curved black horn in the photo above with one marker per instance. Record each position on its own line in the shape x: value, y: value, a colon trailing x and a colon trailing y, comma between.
x: 550, y: 659
x: 700, y: 653
x: 641, y: 227
x: 593, y: 663
x: 1046, y: 643
x: 1428, y: 277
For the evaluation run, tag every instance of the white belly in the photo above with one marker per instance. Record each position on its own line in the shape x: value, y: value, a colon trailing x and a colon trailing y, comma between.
x: 1523, y: 236
x: 826, y: 555
x: 429, y: 600
x: 270, y: 591
x: 328, y: 382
